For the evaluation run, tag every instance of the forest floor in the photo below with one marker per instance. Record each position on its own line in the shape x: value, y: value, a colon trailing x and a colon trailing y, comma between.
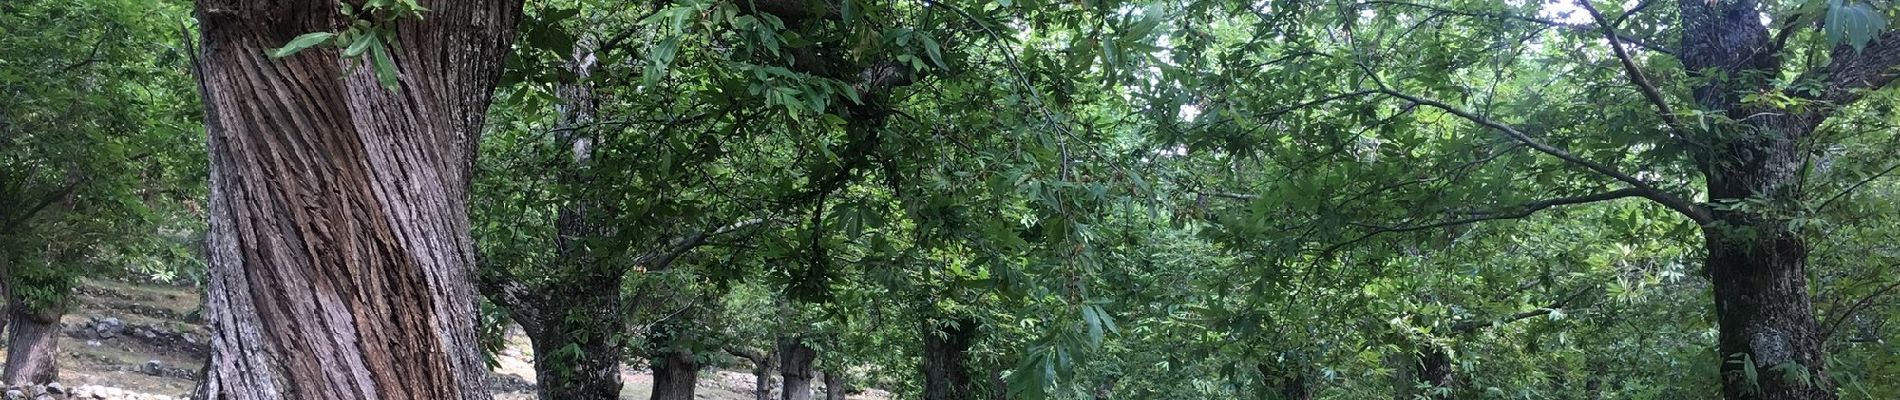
x: 144, y: 339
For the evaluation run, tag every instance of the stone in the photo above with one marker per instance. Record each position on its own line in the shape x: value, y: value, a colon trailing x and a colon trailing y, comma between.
x: 153, y: 368
x: 15, y: 394
x: 55, y: 388
x: 108, y: 327
x: 93, y: 343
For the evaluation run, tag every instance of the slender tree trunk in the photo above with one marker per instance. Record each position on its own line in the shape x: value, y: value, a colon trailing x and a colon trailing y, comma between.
x: 339, y: 248
x: 834, y: 385
x: 999, y: 387
x: 795, y: 365
x: 674, y: 375
x: 33, y: 345
x: 946, y: 355
x: 762, y: 378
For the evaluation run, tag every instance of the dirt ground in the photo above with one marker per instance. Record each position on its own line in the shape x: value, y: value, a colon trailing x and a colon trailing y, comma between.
x: 157, y: 348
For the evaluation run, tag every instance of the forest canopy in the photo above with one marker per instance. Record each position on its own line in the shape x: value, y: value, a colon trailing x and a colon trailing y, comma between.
x: 953, y: 199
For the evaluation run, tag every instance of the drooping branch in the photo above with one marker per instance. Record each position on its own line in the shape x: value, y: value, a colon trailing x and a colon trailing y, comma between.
x: 1643, y: 188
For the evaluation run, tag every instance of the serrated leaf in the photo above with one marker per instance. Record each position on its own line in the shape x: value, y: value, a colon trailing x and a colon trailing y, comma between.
x: 301, y: 42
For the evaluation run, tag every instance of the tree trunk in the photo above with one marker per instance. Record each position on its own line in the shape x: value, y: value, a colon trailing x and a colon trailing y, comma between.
x: 1281, y: 384
x: 575, y: 354
x: 999, y: 387
x: 1434, y: 371
x: 6, y: 284
x: 834, y: 385
x: 339, y: 249
x: 1756, y: 261
x: 33, y: 345
x: 674, y: 375
x: 795, y: 365
x: 946, y: 354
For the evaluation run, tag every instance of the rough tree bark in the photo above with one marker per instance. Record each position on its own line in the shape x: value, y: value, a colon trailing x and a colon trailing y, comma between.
x: 675, y: 374
x: 32, y: 345
x: 795, y: 365
x: 946, y: 360
x: 338, y: 247
x: 1757, y: 261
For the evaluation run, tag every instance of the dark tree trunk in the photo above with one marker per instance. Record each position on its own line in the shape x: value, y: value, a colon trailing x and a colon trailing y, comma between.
x: 795, y: 365
x: 834, y: 385
x: 1283, y: 384
x: 674, y: 375
x: 999, y: 387
x: 1756, y: 261
x: 6, y: 284
x: 575, y: 354
x: 32, y: 345
x: 339, y: 249
x: 946, y: 360
x: 761, y: 370
x: 1434, y: 371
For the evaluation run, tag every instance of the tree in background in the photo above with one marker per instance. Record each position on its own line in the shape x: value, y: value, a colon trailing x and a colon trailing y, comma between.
x: 97, y: 155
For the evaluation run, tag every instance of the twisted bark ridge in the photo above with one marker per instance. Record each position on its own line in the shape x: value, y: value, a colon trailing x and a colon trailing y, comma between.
x: 340, y: 258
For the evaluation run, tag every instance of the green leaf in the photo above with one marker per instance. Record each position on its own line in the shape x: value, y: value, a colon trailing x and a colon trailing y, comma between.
x: 383, y: 65
x: 934, y: 51
x: 303, y: 41
x: 1854, y: 24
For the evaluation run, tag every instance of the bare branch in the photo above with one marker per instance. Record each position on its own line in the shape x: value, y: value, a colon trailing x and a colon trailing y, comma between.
x: 1837, y: 318
x: 1855, y: 186
x: 1647, y: 190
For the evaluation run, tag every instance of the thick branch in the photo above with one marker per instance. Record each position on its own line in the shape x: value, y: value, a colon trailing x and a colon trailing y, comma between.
x: 1646, y: 190
x: 1852, y: 72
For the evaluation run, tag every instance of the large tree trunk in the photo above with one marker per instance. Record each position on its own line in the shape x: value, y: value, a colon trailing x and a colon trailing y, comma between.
x: 674, y: 375
x: 32, y: 345
x: 795, y: 365
x: 339, y: 248
x: 1756, y: 262
x: 945, y: 365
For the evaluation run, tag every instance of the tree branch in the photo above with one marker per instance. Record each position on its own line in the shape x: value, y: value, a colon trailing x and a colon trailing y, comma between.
x: 1851, y: 72
x: 1520, y: 211
x: 660, y: 261
x: 1835, y: 320
x: 1466, y: 327
x: 1676, y: 128
x: 1646, y: 190
x: 1540, y: 21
